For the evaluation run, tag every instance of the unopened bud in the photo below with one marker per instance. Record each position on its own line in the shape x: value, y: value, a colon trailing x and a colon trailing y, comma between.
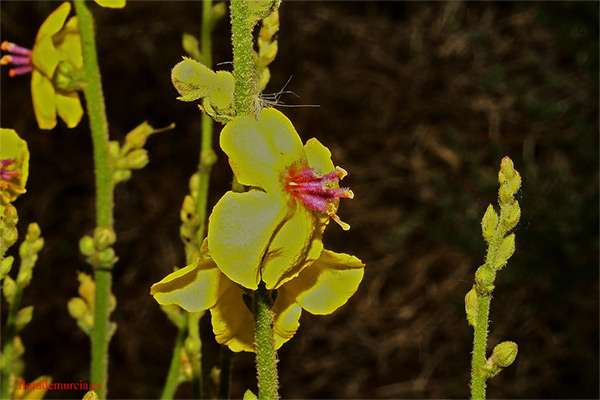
x: 5, y: 266
x: 471, y: 306
x: 24, y: 316
x: 106, y: 258
x: 484, y: 280
x: 10, y: 217
x: 137, y: 159
x: 86, y: 246
x: 504, y: 354
x: 103, y: 238
x: 77, y: 308
x: 9, y: 288
x: 87, y: 287
x: 67, y: 77
x: 90, y: 395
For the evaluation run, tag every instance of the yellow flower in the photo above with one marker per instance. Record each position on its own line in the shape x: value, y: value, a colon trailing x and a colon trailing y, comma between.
x: 56, y: 57
x: 14, y: 166
x: 273, y: 231
x: 321, y: 288
x: 111, y: 3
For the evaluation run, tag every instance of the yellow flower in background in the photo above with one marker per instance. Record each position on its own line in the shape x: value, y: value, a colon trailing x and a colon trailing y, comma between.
x: 56, y: 56
x: 273, y: 231
x: 111, y: 3
x: 14, y: 166
x: 321, y: 288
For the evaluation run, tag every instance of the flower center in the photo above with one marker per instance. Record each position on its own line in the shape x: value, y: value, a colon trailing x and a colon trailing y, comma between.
x: 6, y: 175
x: 321, y: 193
x: 19, y: 56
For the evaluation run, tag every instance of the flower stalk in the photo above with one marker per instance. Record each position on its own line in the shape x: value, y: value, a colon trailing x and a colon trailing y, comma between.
x: 104, y: 191
x: 266, y: 356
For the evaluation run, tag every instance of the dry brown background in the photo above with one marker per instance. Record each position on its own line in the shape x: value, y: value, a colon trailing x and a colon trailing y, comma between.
x: 419, y: 102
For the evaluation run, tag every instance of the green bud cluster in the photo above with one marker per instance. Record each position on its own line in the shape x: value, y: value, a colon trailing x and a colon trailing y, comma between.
x: 190, y: 223
x: 501, y: 246
x: 195, y: 81
x: 132, y: 154
x: 267, y: 48
x: 82, y: 308
x: 97, y: 250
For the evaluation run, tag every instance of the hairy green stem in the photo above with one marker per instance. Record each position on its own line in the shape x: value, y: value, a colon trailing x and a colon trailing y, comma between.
x: 479, y: 348
x: 266, y: 355
x: 174, y: 368
x: 9, y: 337
x: 241, y: 35
x: 104, y: 190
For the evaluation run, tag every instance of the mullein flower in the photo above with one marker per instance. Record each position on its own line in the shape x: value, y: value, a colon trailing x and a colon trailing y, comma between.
x: 272, y: 233
x: 54, y: 63
x: 274, y: 230
x: 320, y: 289
x: 14, y: 166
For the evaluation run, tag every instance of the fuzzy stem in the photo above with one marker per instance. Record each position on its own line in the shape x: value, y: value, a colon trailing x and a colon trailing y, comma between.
x: 241, y: 35
x: 225, y: 378
x: 173, y: 375
x: 9, y: 338
x: 266, y: 355
x: 479, y: 347
x: 104, y: 190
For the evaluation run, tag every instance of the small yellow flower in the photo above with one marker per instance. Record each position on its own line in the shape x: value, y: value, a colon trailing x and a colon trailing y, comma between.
x: 273, y: 231
x: 55, y: 55
x: 321, y: 288
x: 14, y: 166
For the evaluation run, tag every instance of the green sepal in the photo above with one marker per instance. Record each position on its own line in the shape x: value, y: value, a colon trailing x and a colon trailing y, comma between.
x: 484, y: 280
x: 506, y: 250
x: 23, y: 317
x: 249, y: 395
x: 504, y: 354
x: 471, y: 306
x: 68, y: 77
x: 489, y: 223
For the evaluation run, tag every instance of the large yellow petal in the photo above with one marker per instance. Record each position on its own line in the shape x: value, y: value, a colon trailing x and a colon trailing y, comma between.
x: 328, y: 283
x: 232, y: 321
x: 319, y: 156
x: 261, y: 151
x: 69, y: 108
x: 289, y: 248
x: 55, y: 21
x: 287, y: 318
x: 239, y: 231
x: 195, y: 288
x: 111, y: 3
x: 44, y: 57
x: 44, y: 102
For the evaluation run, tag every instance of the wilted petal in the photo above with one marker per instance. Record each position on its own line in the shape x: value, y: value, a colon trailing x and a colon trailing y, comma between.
x: 44, y: 102
x: 195, y: 288
x: 328, y: 283
x: 240, y: 229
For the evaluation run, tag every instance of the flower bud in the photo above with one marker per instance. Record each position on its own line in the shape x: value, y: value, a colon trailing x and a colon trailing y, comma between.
x: 10, y: 289
x: 106, y: 258
x: 5, y: 266
x: 77, y: 308
x: 192, y: 79
x: 114, y: 149
x: 506, y: 250
x: 471, y: 306
x: 121, y: 175
x: 87, y: 288
x: 10, y: 217
x: 513, y: 214
x: 103, y: 238
x: 489, y: 223
x: 137, y: 159
x: 484, y: 280
x: 86, y: 246
x: 24, y: 316
x: 504, y: 354
x: 90, y: 395
x: 191, y: 45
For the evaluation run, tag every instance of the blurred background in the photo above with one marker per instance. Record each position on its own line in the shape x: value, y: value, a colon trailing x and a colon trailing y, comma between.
x: 419, y: 102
